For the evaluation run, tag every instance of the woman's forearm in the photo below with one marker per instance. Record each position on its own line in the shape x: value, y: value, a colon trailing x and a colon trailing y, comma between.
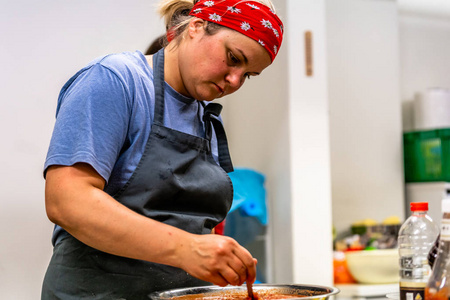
x: 75, y: 200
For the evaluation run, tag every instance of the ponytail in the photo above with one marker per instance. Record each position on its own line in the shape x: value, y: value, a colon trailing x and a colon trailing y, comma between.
x: 176, y: 15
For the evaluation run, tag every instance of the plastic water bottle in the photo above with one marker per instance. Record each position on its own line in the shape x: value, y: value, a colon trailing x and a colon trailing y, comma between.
x: 415, y: 239
x: 438, y: 287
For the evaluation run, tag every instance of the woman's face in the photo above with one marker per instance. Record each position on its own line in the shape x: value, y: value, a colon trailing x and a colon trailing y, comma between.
x: 212, y: 66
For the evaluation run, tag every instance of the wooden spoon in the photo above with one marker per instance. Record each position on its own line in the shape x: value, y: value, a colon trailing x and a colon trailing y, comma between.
x: 250, y: 291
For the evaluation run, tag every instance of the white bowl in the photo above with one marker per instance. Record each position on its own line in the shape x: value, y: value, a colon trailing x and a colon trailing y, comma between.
x: 374, y: 266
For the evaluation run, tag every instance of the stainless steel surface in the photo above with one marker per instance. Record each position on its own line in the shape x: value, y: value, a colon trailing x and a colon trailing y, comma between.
x: 304, y: 291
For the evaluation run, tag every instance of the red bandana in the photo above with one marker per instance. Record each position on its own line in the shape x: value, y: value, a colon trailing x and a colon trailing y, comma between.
x: 250, y: 18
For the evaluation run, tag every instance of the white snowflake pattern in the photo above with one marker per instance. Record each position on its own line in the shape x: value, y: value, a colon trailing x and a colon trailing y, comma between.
x: 253, y: 6
x: 234, y: 9
x: 197, y: 10
x: 275, y: 49
x: 261, y: 43
x: 215, y: 17
x: 209, y: 3
x: 266, y: 23
x: 245, y: 26
x: 275, y: 32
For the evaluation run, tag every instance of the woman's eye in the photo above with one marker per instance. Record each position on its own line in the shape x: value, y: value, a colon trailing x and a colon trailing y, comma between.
x: 247, y: 76
x: 233, y: 58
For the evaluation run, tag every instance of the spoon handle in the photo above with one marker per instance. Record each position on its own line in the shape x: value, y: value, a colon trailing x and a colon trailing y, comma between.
x: 250, y: 291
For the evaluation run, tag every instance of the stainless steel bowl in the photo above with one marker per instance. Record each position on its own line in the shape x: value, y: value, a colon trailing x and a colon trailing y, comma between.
x: 303, y: 291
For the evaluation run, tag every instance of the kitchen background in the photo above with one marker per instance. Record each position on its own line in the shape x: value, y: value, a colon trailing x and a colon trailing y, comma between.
x: 330, y: 144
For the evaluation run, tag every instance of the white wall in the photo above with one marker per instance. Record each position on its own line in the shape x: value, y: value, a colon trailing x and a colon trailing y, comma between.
x: 425, y: 55
x: 365, y: 111
x: 42, y: 44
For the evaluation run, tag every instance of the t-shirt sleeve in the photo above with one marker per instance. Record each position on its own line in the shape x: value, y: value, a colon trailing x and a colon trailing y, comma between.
x: 92, y: 121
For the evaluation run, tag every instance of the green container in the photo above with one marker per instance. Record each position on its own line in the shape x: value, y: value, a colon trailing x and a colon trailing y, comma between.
x: 427, y: 155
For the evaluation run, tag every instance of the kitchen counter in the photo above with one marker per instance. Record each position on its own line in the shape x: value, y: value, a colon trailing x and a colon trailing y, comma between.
x: 365, y: 291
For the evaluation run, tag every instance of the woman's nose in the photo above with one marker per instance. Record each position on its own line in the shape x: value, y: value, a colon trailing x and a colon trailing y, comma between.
x: 234, y: 78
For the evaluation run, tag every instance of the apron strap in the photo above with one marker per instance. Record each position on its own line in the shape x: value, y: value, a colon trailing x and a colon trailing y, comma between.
x: 210, y: 116
x: 158, y: 82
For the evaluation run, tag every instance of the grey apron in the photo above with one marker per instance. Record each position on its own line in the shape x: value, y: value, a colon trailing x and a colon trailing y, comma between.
x: 177, y: 182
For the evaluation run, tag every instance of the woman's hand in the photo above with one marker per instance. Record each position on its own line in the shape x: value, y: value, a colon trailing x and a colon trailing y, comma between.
x: 217, y: 259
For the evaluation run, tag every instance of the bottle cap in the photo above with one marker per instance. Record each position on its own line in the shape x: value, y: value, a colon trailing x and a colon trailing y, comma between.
x: 446, y: 205
x: 419, y: 206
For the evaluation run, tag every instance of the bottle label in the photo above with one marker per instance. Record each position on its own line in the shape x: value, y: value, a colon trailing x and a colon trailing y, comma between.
x: 445, y: 230
x: 412, y: 290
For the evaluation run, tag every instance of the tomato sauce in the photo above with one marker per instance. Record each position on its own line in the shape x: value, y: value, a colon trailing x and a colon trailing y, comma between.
x: 241, y: 295
x: 433, y: 294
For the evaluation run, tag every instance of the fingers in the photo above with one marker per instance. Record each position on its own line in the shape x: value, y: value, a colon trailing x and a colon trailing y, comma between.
x: 219, y: 260
x: 247, y: 265
x: 218, y: 280
x: 236, y: 273
x: 238, y: 262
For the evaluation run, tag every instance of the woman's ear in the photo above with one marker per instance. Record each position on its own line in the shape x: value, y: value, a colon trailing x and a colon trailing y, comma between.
x: 195, y: 27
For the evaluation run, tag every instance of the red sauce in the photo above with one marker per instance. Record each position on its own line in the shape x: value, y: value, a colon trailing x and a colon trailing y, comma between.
x: 240, y: 295
x: 432, y: 294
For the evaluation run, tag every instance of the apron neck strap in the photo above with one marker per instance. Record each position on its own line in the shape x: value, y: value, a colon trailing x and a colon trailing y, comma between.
x: 211, y: 117
x: 158, y: 82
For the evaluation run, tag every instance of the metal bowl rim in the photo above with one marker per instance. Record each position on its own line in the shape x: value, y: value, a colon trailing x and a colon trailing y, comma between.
x: 213, y: 288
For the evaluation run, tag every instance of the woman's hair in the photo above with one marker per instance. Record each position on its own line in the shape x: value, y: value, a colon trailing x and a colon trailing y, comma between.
x: 176, y: 17
x: 156, y: 45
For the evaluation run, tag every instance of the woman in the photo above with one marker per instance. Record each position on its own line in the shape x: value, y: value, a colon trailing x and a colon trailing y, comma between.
x: 136, y: 168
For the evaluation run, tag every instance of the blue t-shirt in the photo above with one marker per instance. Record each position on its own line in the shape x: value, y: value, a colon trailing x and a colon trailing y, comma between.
x: 104, y: 118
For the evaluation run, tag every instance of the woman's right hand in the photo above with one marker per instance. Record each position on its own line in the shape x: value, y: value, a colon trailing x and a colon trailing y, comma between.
x: 217, y: 259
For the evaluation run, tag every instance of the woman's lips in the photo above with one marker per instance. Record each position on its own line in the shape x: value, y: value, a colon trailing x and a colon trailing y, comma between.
x: 219, y: 89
